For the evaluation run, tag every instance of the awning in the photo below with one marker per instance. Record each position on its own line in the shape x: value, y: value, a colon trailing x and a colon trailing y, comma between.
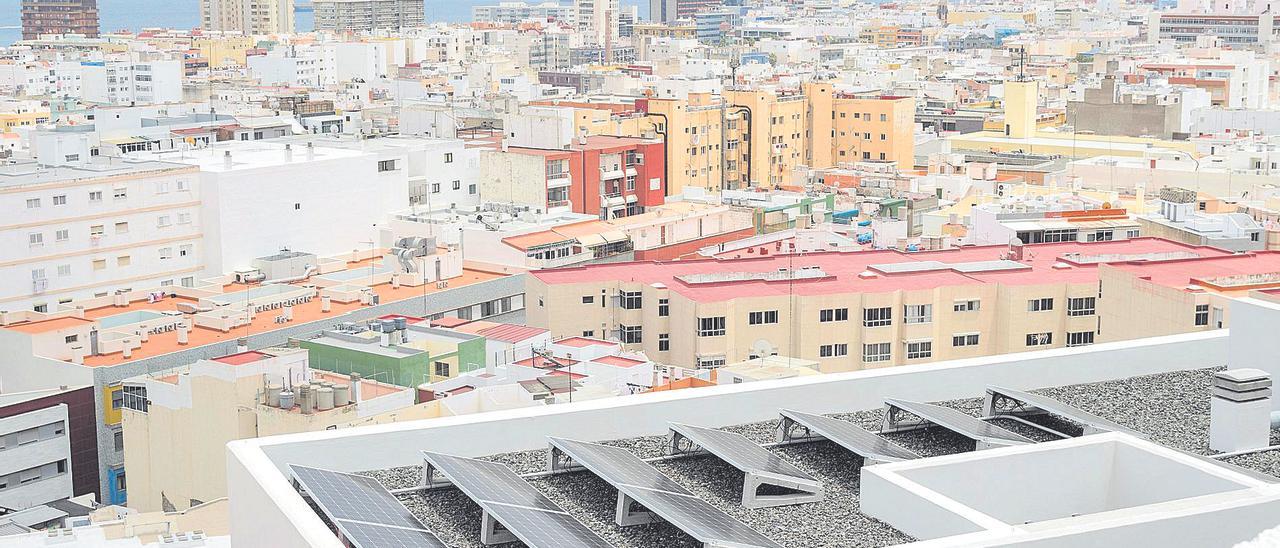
x: 613, y: 236
x: 125, y: 140
x: 591, y: 240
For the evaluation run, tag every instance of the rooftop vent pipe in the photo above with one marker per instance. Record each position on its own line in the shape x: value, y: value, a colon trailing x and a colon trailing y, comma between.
x: 1240, y: 410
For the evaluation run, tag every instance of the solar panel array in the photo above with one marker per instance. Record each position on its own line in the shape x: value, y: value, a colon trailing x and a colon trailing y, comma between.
x: 532, y: 517
x: 852, y: 437
x: 368, y: 515
x: 661, y: 495
x: 960, y: 423
x: 1055, y: 407
x: 738, y: 451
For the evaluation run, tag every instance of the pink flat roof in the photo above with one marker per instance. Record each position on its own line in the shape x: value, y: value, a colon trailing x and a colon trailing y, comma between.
x: 618, y: 361
x: 583, y: 342
x: 842, y: 269
x: 243, y: 357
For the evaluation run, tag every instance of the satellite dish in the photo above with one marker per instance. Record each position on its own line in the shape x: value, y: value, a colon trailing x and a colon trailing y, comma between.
x: 763, y: 348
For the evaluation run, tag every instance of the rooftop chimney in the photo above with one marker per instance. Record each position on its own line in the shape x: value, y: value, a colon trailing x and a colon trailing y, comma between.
x: 226, y: 159
x: 311, y: 151
x: 355, y: 388
x: 288, y: 153
x: 1240, y: 410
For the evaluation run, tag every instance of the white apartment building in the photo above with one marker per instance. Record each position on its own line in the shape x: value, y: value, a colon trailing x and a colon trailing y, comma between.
x: 262, y: 196
x: 597, y: 19
x: 86, y: 225
x: 277, y: 69
x: 515, y: 12
x: 247, y: 16
x: 130, y: 82
x: 35, y: 458
x: 367, y: 15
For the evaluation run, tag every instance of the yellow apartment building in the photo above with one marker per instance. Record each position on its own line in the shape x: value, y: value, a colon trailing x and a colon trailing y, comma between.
x: 177, y: 426
x: 227, y: 51
x: 860, y: 310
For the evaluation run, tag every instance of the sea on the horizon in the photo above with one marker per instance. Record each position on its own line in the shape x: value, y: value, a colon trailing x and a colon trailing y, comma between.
x: 185, y: 14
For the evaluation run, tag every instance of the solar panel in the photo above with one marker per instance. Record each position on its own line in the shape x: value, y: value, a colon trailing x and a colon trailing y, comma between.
x: 638, y: 481
x: 367, y: 515
x: 523, y: 510
x: 355, y: 498
x: 986, y: 435
x: 852, y: 437
x: 369, y: 535
x: 738, y: 451
x: 1005, y: 401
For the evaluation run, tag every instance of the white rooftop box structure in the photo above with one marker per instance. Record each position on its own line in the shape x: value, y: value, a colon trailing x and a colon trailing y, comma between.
x: 1091, y: 481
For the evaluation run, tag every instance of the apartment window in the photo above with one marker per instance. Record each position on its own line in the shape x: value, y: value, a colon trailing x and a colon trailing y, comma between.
x: 435, y: 188
x: 386, y: 165
x: 664, y: 307
x: 37, y: 274
x: 124, y: 260
x: 588, y: 333
x: 163, y: 221
x: 967, y: 306
x: 471, y: 188
x: 711, y: 362
x: 664, y: 342
x: 185, y: 250
x: 917, y: 350
x: 1039, y: 339
x: 61, y: 235
x: 631, y: 334
x: 188, y: 281
x: 448, y: 157
x: 917, y: 313
x: 876, y: 352
x: 33, y: 203
x: 1040, y: 305
x: 1101, y: 236
x: 833, y: 315
x: 1080, y: 338
x: 119, y: 193
x: 35, y: 239
x: 118, y: 436
x: 884, y: 117
x: 95, y: 196
x: 99, y: 264
x: 60, y: 199
x: 1081, y: 306
x: 833, y: 350
x: 758, y: 318
x: 64, y: 270
x: 122, y: 228
x: 588, y: 299
x: 166, y: 253
x: 877, y: 317
x: 711, y: 327
x: 1202, y: 314
x: 442, y: 369
x: 457, y: 185
x: 1133, y: 233
x: 632, y: 300
x: 964, y: 339
x: 96, y: 230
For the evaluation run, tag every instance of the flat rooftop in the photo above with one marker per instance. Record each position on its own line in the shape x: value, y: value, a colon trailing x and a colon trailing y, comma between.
x: 167, y: 342
x: 1171, y: 408
x: 31, y: 173
x: 842, y: 269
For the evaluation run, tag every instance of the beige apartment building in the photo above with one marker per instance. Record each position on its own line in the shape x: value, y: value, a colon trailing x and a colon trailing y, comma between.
x: 177, y: 426
x: 247, y: 16
x: 868, y: 309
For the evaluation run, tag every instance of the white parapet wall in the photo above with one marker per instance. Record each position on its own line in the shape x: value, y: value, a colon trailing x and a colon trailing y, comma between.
x: 266, y: 511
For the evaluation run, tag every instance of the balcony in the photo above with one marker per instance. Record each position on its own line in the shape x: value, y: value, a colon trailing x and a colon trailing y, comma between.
x: 560, y: 180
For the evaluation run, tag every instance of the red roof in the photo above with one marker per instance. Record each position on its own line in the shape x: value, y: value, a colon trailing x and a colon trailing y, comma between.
x: 574, y: 376
x: 618, y: 361
x: 510, y: 333
x: 583, y: 342
x: 842, y: 269
x: 448, y: 322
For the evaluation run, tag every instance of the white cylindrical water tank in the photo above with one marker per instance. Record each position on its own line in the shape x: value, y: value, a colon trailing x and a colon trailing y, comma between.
x: 273, y: 394
x: 324, y: 398
x: 341, y: 395
x: 285, y: 398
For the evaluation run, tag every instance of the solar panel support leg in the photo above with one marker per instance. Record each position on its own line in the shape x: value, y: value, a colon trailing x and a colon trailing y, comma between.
x: 492, y: 532
x: 626, y: 516
x: 794, y: 492
x: 791, y: 431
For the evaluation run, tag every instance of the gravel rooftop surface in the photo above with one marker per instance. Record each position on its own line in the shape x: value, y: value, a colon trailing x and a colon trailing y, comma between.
x: 1172, y: 408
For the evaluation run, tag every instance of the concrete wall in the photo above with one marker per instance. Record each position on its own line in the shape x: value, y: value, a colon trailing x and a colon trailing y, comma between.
x: 266, y: 511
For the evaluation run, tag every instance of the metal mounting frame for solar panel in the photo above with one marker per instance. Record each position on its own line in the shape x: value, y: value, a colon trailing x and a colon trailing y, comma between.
x: 365, y: 513
x: 1006, y: 401
x: 638, y: 482
x: 760, y: 467
x: 796, y: 426
x: 898, y: 417
x: 511, y: 508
